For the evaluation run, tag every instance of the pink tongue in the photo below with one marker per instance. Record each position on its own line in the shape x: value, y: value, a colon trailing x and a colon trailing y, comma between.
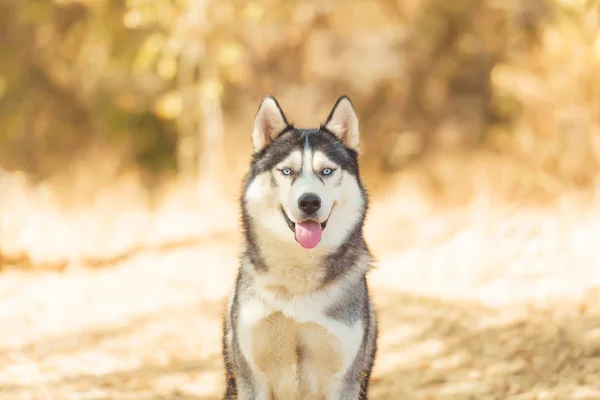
x: 308, y: 233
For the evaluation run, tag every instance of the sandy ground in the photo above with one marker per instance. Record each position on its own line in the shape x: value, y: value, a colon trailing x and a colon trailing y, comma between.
x: 504, y: 307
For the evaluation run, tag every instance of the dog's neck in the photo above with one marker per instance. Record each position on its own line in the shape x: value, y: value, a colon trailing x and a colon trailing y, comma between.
x: 288, y: 268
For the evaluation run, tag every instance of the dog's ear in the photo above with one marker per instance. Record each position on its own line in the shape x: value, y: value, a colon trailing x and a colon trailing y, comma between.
x: 269, y: 123
x: 343, y: 122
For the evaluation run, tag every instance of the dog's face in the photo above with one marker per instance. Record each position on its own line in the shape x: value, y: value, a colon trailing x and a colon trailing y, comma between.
x: 304, y: 184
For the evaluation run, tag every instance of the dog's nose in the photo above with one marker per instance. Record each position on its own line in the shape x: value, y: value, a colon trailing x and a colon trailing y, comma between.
x: 309, y: 203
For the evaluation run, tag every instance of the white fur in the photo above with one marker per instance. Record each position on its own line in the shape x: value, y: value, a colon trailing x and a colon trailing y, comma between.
x: 291, y: 265
x: 302, y: 308
x: 252, y: 313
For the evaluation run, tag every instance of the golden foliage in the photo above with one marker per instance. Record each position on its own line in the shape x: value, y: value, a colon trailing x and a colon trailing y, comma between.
x: 517, y: 77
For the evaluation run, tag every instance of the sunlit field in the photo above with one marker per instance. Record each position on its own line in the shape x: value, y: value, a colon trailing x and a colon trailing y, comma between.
x: 125, y: 135
x: 484, y: 300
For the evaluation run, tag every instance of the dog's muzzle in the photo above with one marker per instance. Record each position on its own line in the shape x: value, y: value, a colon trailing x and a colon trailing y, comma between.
x: 292, y: 224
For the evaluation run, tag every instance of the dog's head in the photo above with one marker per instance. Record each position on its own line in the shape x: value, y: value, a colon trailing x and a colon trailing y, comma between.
x: 304, y: 184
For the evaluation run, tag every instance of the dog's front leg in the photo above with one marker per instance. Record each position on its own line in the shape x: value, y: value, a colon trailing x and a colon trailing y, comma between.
x: 345, y: 391
x: 353, y: 386
x: 253, y: 388
x: 250, y: 382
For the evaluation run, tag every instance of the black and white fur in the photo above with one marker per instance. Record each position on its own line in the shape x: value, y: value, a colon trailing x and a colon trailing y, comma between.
x: 300, y: 323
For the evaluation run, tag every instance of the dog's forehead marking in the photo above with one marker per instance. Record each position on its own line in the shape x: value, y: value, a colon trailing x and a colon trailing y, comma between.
x: 307, y: 156
x: 293, y: 161
x: 320, y: 161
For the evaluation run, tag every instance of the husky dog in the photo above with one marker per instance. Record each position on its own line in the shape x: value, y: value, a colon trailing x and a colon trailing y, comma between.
x: 300, y: 323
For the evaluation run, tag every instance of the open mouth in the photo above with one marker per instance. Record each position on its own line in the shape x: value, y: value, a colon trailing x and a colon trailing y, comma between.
x: 308, y: 233
x: 292, y: 224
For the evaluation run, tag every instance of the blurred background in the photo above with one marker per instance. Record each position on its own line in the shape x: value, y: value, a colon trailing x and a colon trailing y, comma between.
x: 125, y: 133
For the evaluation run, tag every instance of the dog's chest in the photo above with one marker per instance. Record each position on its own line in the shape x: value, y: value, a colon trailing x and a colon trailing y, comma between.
x: 300, y: 351
x: 297, y: 358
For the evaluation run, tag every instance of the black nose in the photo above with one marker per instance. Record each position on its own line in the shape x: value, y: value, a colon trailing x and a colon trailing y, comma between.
x: 309, y: 203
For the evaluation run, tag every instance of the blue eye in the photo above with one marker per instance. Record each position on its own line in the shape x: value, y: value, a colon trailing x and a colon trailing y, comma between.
x: 327, y: 171
x: 286, y: 171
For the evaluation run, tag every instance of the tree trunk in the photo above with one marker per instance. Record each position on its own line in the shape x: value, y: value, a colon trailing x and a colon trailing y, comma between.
x: 187, y: 148
x: 210, y: 134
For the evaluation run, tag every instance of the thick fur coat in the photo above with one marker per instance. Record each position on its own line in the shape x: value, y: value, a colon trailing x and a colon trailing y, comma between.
x: 300, y: 323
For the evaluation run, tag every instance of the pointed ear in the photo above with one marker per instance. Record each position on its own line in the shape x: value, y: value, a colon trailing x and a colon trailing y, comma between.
x: 343, y: 122
x: 269, y: 123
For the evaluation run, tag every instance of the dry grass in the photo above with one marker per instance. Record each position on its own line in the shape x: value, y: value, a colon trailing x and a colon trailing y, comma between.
x: 484, y: 300
x: 487, y: 282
